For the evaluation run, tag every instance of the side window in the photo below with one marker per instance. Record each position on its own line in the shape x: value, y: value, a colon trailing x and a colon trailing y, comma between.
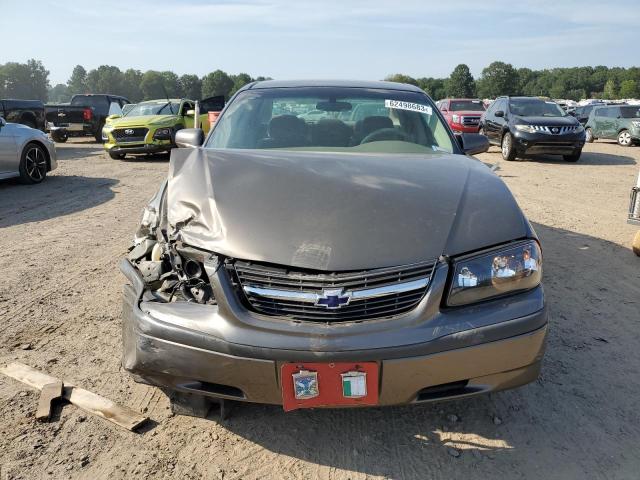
x: 500, y: 104
x: 115, y: 108
x: 611, y: 112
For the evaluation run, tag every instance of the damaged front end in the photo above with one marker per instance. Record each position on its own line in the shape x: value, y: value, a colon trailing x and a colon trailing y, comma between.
x: 171, y: 271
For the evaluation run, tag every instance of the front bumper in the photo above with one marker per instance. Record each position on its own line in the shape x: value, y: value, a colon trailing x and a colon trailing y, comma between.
x: 149, y: 148
x: 543, y: 143
x: 456, y: 127
x: 53, y: 155
x: 228, y: 352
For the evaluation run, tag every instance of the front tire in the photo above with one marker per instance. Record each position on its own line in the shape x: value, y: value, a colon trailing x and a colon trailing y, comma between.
x: 507, y: 147
x: 589, y: 135
x: 116, y: 156
x: 98, y: 133
x: 33, y: 164
x: 624, y: 138
x: 574, y: 157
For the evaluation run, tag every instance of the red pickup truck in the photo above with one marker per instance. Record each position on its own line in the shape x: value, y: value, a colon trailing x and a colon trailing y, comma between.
x: 462, y: 114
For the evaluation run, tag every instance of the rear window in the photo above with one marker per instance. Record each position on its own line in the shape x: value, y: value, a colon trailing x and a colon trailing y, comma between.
x: 630, y: 112
x: 468, y: 105
x: 89, y: 101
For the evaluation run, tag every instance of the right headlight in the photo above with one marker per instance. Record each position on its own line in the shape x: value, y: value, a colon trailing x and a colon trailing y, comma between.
x: 495, y: 273
x: 525, y: 128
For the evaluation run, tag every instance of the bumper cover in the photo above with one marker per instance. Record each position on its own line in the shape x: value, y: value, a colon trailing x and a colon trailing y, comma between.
x: 207, y: 350
x: 140, y: 149
x: 542, y: 143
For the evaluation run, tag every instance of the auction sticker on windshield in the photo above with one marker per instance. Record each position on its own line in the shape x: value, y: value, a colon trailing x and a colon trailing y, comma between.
x: 412, y: 107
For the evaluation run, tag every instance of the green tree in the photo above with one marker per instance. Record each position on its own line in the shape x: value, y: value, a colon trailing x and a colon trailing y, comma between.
x: 59, y: 93
x: 461, y: 84
x: 172, y: 84
x: 24, y: 80
x: 629, y: 89
x: 497, y: 79
x: 216, y: 83
x: 78, y: 81
x: 240, y: 81
x: 610, y: 90
x: 152, y: 85
x: 131, y: 80
x: 191, y: 86
x: 105, y: 79
x: 401, y: 78
x: 434, y: 87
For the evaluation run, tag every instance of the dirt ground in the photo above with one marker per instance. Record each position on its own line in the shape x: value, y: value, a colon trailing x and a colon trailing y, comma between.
x: 60, y: 297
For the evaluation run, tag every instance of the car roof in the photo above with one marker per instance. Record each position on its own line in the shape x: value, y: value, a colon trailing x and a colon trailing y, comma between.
x: 333, y: 83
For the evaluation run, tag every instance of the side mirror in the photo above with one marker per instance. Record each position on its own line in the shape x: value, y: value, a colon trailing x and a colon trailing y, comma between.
x: 189, y: 138
x: 444, y: 110
x: 190, y: 113
x: 114, y: 116
x: 3, y: 122
x: 499, y: 113
x: 473, y: 143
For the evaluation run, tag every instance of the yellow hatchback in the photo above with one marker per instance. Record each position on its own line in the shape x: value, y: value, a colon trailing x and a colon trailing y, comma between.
x: 149, y: 127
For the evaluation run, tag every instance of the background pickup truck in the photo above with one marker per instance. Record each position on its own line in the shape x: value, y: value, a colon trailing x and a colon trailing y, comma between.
x: 84, y: 116
x: 26, y: 112
x: 462, y: 114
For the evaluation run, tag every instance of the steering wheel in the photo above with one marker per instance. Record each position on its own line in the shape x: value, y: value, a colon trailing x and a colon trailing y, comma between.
x: 385, y: 134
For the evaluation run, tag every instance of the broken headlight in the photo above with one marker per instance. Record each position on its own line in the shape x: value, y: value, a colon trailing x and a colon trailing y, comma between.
x: 495, y: 273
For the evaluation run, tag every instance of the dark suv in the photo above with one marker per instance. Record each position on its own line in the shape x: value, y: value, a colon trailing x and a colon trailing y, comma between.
x: 530, y: 125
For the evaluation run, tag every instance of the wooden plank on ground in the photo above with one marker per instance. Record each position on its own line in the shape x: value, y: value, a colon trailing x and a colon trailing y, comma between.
x: 49, y: 393
x: 84, y: 399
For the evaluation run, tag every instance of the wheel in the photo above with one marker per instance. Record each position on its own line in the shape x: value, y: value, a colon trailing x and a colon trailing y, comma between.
x: 624, y: 138
x: 33, y: 164
x: 98, y: 133
x: 508, y: 150
x: 589, y: 135
x: 59, y: 136
x: 636, y: 243
x: 574, y: 157
x: 116, y: 156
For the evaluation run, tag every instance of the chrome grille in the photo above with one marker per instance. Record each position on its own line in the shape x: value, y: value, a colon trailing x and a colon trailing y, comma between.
x: 472, y: 121
x: 556, y: 130
x: 136, y: 134
x: 294, y: 293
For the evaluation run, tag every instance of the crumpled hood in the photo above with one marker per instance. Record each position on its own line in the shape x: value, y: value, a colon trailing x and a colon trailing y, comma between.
x: 143, y: 120
x: 337, y: 211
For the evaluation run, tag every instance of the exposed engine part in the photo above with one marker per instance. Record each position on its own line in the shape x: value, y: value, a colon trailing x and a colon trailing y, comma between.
x: 151, y: 271
x: 156, y: 253
x: 192, y: 269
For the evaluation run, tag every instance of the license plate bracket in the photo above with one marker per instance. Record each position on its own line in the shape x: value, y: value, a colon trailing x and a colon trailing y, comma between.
x: 342, y: 384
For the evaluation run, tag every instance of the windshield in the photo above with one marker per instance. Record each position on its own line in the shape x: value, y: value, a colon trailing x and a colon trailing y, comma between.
x: 535, y: 108
x: 468, y: 105
x: 332, y: 119
x: 160, y: 107
x: 630, y: 112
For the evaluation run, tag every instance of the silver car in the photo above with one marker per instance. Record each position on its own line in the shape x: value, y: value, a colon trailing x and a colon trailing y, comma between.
x: 25, y: 152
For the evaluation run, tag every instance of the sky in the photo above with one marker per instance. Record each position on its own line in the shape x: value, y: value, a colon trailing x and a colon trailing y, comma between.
x: 341, y: 39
